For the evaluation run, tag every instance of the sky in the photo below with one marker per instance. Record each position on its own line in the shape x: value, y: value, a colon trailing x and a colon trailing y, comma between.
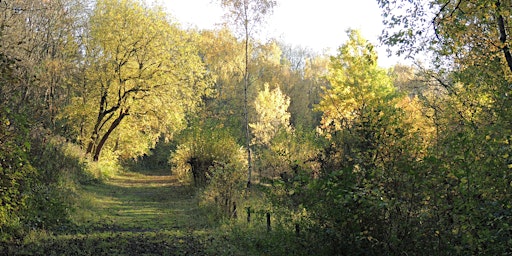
x: 316, y: 24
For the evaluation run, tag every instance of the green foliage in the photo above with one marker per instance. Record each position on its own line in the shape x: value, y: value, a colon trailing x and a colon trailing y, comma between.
x: 360, y: 109
x: 16, y: 171
x: 200, y: 148
x: 212, y: 158
x: 226, y: 184
x: 125, y: 243
x: 404, y: 161
x: 451, y: 30
x: 272, y: 115
x: 107, y: 167
x: 256, y: 240
x: 156, y: 161
x: 371, y: 194
x: 142, y: 76
x: 39, y: 177
x: 359, y: 89
x: 471, y: 162
x: 43, y: 55
x: 288, y: 152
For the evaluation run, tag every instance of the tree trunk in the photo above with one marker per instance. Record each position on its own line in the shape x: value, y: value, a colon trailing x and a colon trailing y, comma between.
x: 90, y: 146
x: 95, y: 131
x: 105, y: 136
x: 246, y: 111
x: 503, y: 36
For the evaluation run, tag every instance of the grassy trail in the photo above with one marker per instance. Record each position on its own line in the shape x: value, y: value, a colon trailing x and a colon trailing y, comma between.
x: 131, y: 214
x: 141, y: 202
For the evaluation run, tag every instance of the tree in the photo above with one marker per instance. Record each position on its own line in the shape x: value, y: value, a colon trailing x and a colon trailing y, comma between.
x: 464, y: 32
x: 357, y: 86
x: 302, y: 79
x: 43, y: 38
x: 15, y: 169
x: 142, y: 76
x: 224, y: 58
x: 359, y: 110
x: 470, y: 107
x: 211, y: 157
x: 246, y: 15
x: 272, y: 115
x: 367, y: 190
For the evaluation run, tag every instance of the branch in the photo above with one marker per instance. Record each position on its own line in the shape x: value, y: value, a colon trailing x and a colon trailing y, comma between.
x: 503, y: 36
x: 434, y: 20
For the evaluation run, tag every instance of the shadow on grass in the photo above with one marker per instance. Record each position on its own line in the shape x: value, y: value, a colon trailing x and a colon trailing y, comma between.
x: 108, y: 243
x: 134, y: 202
x: 130, y: 214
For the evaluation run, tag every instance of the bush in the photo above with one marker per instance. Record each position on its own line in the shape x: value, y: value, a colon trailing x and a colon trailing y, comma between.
x: 200, y: 149
x: 226, y: 182
x: 60, y: 166
x: 288, y: 152
x: 105, y: 168
x: 16, y: 172
x: 38, y: 177
x: 213, y: 160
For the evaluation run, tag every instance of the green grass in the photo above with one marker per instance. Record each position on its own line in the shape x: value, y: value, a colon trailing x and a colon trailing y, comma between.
x: 112, y: 243
x: 128, y: 214
x: 138, y: 202
x: 149, y: 213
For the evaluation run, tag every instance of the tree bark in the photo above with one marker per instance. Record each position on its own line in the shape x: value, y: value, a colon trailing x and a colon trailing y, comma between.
x: 99, y: 119
x: 105, y: 136
x: 246, y: 87
x: 503, y: 36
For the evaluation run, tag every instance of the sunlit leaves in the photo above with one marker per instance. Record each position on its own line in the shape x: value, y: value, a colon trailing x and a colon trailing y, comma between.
x: 272, y: 115
x: 463, y: 33
x: 358, y: 85
x: 202, y: 149
x: 142, y: 77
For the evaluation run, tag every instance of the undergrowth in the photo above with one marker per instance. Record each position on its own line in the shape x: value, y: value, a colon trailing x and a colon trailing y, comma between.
x: 83, y: 207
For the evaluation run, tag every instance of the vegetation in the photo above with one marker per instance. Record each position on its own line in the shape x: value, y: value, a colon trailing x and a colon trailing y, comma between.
x: 123, y: 133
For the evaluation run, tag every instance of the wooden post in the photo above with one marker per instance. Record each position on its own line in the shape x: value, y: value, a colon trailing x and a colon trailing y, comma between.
x: 297, y: 229
x: 226, y: 207
x: 269, y: 226
x: 249, y: 214
x: 235, y: 215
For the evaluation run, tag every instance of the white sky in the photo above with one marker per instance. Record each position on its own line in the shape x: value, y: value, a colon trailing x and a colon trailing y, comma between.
x: 316, y: 24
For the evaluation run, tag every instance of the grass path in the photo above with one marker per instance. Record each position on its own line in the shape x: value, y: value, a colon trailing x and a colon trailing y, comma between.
x: 141, y: 202
x: 130, y: 214
x: 150, y: 214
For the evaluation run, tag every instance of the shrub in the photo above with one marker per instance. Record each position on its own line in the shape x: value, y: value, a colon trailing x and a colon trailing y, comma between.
x: 214, y: 161
x: 16, y: 172
x: 200, y: 149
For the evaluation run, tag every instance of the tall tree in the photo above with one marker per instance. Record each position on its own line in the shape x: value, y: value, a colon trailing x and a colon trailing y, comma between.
x: 465, y: 32
x: 43, y: 38
x: 358, y: 85
x: 223, y: 56
x: 472, y: 66
x: 272, y: 115
x: 246, y: 15
x: 143, y: 76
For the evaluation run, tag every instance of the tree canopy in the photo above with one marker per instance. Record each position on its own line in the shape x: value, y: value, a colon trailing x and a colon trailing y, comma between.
x: 143, y: 76
x: 346, y: 156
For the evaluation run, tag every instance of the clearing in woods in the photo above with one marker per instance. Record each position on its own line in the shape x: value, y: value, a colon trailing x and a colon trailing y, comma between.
x: 130, y: 214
